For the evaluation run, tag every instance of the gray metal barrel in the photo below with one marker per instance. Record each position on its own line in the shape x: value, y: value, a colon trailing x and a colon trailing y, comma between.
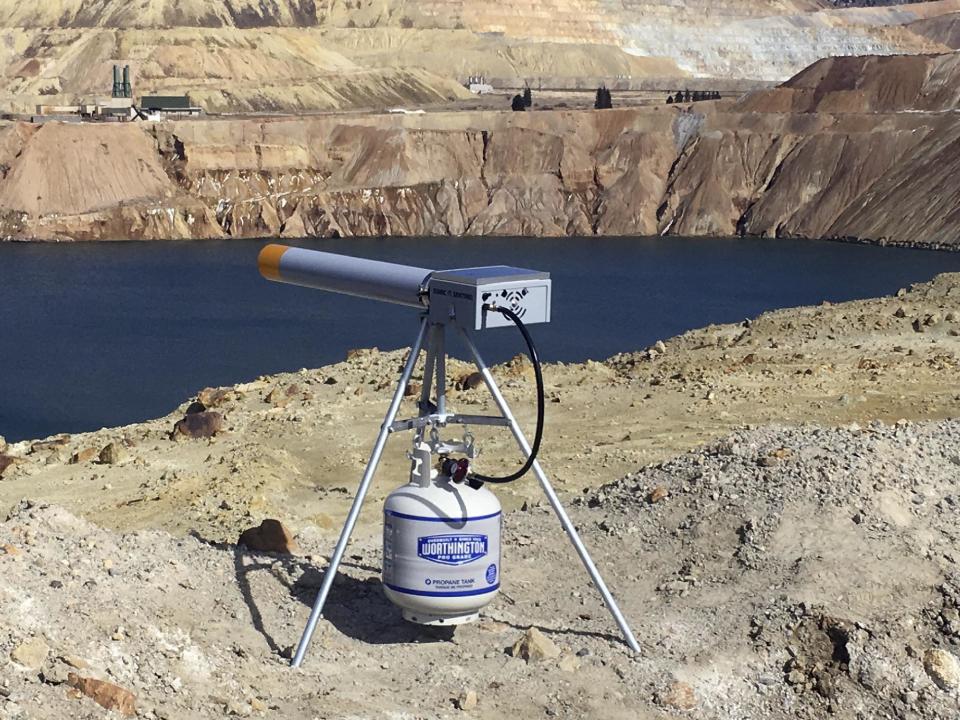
x: 390, y: 282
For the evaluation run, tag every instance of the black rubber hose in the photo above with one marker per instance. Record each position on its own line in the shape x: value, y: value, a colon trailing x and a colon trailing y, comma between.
x: 538, y: 373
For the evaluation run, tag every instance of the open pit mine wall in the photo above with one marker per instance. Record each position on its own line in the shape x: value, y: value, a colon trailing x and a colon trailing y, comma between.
x: 872, y: 177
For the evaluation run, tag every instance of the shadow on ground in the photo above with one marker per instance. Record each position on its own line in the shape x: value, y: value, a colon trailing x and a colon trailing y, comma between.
x: 356, y: 607
x: 359, y: 609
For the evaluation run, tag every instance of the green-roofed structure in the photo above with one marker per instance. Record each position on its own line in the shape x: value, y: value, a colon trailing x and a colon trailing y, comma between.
x: 169, y: 105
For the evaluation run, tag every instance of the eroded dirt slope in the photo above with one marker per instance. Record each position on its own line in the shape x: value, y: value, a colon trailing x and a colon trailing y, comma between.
x: 845, y: 150
x: 868, y: 84
x: 943, y: 29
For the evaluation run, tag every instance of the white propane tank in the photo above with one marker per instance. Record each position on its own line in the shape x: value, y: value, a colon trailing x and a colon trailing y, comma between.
x: 441, y: 550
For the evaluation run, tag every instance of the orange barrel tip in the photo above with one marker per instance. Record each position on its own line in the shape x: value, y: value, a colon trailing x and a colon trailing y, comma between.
x: 269, y: 260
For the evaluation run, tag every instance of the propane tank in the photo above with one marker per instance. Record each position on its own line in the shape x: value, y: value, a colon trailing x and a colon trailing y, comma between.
x: 441, y: 546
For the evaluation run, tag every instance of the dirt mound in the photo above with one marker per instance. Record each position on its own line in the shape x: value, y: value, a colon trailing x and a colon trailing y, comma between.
x: 944, y: 29
x: 60, y: 169
x: 866, y: 85
x: 777, y: 572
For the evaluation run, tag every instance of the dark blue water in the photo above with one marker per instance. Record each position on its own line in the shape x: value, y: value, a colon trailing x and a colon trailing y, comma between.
x: 106, y: 334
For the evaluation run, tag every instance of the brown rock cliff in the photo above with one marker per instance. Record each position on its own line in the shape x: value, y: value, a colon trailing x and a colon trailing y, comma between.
x: 877, y: 171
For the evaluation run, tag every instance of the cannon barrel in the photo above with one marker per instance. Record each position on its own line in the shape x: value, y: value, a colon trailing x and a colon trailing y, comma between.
x: 373, y: 279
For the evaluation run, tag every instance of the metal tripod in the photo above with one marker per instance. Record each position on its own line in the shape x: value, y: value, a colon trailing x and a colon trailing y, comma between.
x: 436, y: 415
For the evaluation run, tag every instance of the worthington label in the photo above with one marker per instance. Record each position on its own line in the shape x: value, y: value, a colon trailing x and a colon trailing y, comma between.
x: 452, y: 549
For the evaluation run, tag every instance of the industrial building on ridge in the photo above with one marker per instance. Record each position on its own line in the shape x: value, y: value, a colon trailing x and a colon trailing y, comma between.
x: 120, y: 106
x: 169, y: 105
x: 478, y: 85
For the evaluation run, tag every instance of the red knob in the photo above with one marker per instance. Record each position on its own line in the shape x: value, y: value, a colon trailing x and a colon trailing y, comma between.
x: 456, y: 470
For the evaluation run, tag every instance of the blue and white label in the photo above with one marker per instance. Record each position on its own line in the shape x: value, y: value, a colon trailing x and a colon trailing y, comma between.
x: 456, y: 549
x: 429, y: 556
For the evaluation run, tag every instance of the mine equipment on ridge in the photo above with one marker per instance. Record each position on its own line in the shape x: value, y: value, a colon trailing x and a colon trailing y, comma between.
x: 122, y: 88
x: 441, y: 535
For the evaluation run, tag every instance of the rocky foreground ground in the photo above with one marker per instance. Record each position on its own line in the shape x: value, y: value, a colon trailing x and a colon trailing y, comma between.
x: 783, y: 537
x: 779, y: 573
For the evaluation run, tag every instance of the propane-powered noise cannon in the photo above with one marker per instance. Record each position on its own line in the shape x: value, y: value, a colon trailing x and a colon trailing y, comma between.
x: 441, y: 530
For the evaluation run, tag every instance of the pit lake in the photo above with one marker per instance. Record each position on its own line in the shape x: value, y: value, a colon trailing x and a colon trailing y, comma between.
x: 106, y: 334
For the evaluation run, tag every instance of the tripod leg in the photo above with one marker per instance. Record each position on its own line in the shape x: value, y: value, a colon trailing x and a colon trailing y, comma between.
x: 441, y: 350
x: 429, y: 363
x: 552, y: 497
x: 354, y: 513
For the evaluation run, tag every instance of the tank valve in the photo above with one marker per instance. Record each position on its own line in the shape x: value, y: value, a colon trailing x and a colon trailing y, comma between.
x: 456, y: 470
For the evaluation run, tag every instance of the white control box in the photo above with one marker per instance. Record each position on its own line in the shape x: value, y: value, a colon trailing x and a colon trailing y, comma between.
x: 459, y: 296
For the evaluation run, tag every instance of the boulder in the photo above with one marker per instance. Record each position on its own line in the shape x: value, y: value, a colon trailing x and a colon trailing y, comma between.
x: 74, y: 661
x: 943, y: 667
x: 679, y: 696
x: 112, y: 454
x: 519, y: 367
x: 49, y: 444
x: 83, y: 455
x: 355, y: 353
x: 6, y: 462
x: 470, y: 381
x: 467, y: 700
x: 105, y: 694
x: 269, y: 536
x: 55, y: 673
x: 198, y: 425
x: 658, y: 494
x: 195, y: 407
x: 31, y: 654
x: 214, y: 397
x: 534, y: 646
x: 277, y: 397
